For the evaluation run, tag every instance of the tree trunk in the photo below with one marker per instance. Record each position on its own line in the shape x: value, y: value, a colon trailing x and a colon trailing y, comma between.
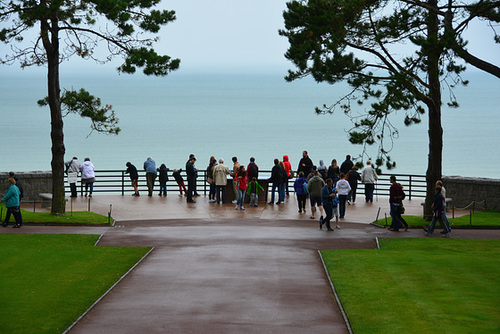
x: 51, y: 43
x: 434, y: 168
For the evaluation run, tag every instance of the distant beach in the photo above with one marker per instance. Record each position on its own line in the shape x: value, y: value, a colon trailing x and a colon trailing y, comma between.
x: 241, y: 115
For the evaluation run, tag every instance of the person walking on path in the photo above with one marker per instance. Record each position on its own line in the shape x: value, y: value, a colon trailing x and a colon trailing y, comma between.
x: 221, y: 172
x: 314, y: 188
x: 300, y: 186
x: 343, y: 188
x: 353, y: 177
x: 327, y: 196
x: 443, y: 192
x: 150, y: 168
x: 134, y: 177
x: 210, y: 179
x: 88, y: 176
x: 253, y: 191
x: 12, y: 203
x: 396, y: 196
x: 72, y: 169
x: 437, y: 209
x: 163, y: 178
x: 191, y: 173
x: 368, y: 178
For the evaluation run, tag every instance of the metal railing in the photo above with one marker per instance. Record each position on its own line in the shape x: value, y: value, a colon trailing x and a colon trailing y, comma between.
x: 117, y: 182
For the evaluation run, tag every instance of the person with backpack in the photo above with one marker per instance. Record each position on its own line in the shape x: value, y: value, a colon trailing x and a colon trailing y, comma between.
x: 252, y: 169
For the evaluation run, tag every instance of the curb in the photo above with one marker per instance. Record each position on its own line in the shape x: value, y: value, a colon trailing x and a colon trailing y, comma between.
x: 107, y: 292
x: 339, y: 303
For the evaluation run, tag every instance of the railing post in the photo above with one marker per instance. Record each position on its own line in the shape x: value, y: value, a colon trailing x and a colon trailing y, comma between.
x: 410, y: 189
x: 123, y: 183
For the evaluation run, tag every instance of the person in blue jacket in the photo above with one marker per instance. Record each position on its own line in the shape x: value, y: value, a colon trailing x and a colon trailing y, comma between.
x: 12, y: 202
x: 150, y: 168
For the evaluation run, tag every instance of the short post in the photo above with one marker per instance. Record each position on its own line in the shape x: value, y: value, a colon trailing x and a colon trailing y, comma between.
x: 109, y: 214
x: 89, y: 205
x: 378, y: 212
x: 470, y: 218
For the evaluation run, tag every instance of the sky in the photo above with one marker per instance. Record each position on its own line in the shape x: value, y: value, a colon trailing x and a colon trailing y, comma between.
x: 237, y: 35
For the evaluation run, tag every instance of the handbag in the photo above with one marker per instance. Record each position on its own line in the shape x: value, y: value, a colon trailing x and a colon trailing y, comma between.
x: 210, y: 180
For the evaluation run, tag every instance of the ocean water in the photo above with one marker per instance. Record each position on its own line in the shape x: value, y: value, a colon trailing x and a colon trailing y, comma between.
x: 228, y: 115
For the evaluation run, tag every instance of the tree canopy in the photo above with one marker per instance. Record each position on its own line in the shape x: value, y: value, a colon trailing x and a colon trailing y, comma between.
x: 48, y: 32
x: 395, y: 55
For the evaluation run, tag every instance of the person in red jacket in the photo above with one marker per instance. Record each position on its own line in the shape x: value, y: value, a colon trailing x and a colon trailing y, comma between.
x: 289, y: 172
x: 241, y: 180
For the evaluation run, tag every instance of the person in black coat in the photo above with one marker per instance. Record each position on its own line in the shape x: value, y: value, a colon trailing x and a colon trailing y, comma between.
x: 346, y: 165
x: 305, y: 164
x: 191, y: 179
x: 134, y: 177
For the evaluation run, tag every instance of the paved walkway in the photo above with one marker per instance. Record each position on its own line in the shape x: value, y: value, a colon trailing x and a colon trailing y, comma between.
x: 219, y: 270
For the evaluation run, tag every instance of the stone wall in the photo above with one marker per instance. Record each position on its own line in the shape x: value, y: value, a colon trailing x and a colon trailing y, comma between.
x: 33, y: 183
x: 465, y: 190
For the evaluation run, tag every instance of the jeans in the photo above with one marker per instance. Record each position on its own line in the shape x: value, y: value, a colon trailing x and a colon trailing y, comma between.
x: 342, y: 200
x: 395, y: 215
x: 439, y: 218
x: 276, y: 187
x: 163, y: 188
x: 91, y: 184
x: 241, y: 198
x: 254, y: 198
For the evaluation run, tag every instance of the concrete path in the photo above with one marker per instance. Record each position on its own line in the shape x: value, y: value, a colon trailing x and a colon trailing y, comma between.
x: 237, y: 272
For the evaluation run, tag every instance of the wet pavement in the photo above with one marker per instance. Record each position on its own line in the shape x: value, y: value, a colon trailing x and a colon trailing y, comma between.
x: 215, y: 269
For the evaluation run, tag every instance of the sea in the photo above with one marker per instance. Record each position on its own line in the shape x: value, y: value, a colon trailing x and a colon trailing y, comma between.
x: 251, y: 114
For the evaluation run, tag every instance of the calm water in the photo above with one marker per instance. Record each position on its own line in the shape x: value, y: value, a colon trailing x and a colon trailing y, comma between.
x: 257, y: 115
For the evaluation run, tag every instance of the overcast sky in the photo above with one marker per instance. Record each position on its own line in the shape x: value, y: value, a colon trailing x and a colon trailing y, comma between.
x: 237, y: 35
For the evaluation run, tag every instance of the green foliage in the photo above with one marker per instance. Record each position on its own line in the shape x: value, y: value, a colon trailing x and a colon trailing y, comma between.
x: 355, y: 41
x: 50, y: 280
x: 412, y: 285
x: 86, y: 105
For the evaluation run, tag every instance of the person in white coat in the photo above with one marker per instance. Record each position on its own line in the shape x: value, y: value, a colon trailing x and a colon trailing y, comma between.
x: 88, y: 176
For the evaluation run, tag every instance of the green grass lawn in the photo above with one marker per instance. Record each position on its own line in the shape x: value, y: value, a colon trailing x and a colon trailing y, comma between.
x: 75, y: 218
x: 48, y: 281
x: 480, y: 219
x: 420, y: 286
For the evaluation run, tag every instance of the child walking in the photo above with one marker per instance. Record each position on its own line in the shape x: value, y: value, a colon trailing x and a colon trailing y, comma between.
x: 253, y: 190
x: 180, y: 181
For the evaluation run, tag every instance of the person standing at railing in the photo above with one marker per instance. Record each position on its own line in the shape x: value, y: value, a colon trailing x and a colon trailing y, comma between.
x: 180, y: 181
x: 88, y: 176
x: 221, y: 172
x: 150, y: 168
x: 346, y: 165
x: 191, y: 173
x: 72, y: 169
x: 305, y: 164
x: 210, y: 179
x: 236, y: 168
x: 163, y: 178
x: 252, y: 169
x: 353, y: 177
x: 134, y: 177
x: 368, y: 178
x: 289, y: 173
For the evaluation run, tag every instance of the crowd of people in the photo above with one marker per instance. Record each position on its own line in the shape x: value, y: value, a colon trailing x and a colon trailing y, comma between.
x: 329, y: 190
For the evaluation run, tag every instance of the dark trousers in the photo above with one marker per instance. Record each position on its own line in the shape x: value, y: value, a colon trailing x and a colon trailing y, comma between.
x: 329, y: 214
x: 302, y: 201
x: 191, y: 188
x: 342, y: 200
x: 72, y: 186
x: 369, y: 188
x: 16, y: 212
x: 221, y: 193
